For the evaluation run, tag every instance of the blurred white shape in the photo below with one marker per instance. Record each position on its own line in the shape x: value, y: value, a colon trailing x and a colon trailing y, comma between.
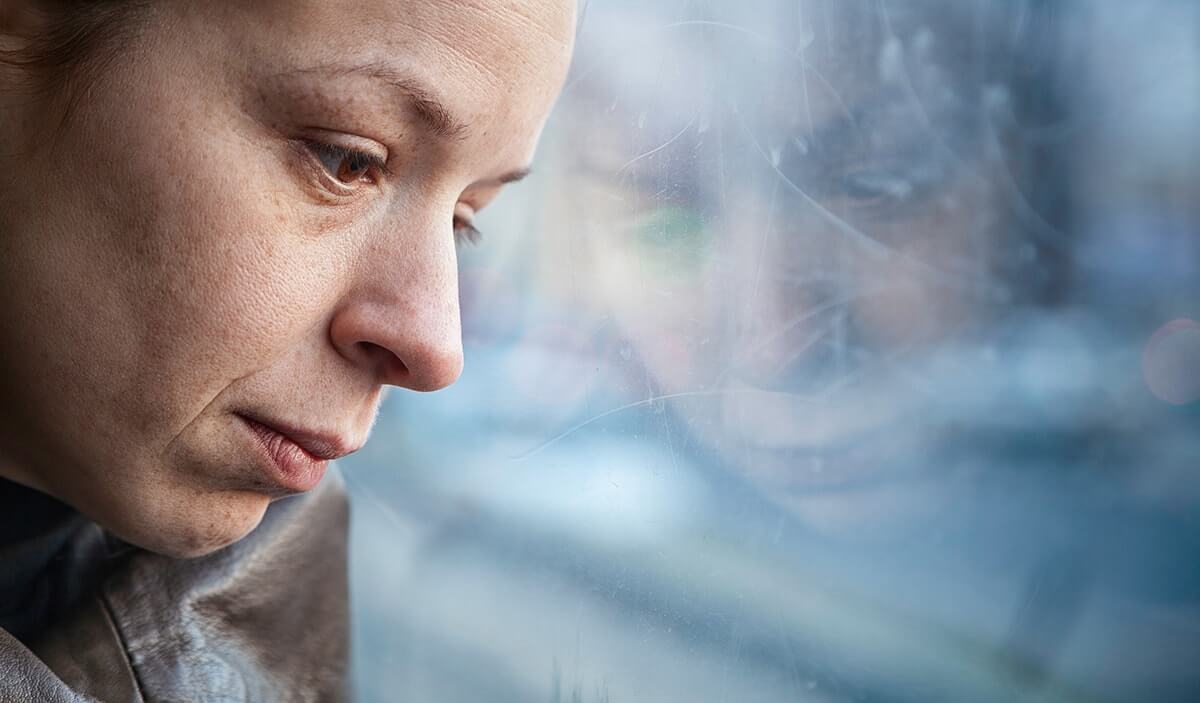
x: 1058, y: 360
x: 624, y: 493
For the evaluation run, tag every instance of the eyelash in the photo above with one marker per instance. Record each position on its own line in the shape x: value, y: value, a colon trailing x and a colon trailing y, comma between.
x: 338, y: 153
x: 465, y: 232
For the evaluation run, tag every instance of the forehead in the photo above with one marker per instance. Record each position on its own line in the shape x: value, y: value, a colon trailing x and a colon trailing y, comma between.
x: 495, y: 66
x: 779, y: 69
x: 787, y: 51
x: 496, y: 47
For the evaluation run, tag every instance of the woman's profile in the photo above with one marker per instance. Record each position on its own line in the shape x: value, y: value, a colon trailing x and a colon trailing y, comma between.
x: 225, y: 228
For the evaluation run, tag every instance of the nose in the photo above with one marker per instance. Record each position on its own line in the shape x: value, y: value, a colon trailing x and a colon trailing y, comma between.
x: 400, y: 320
x: 791, y: 312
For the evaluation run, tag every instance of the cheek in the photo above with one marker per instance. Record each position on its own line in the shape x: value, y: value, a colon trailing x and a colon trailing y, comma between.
x: 915, y: 308
x: 669, y: 318
x: 207, y: 273
x: 228, y: 282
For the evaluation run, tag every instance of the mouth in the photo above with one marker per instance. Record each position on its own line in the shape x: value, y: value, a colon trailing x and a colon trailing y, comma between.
x: 861, y: 435
x: 294, y: 459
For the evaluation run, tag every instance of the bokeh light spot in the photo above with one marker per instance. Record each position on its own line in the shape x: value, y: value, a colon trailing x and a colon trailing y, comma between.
x: 1171, y: 362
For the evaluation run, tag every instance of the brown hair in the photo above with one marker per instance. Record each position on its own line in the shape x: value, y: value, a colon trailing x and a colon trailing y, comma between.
x: 76, y: 40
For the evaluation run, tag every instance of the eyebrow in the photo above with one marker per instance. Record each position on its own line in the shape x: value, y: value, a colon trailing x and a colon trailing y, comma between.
x: 430, y: 110
x: 437, y: 119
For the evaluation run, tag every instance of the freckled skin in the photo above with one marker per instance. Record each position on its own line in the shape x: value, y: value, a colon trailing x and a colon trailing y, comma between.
x: 170, y: 258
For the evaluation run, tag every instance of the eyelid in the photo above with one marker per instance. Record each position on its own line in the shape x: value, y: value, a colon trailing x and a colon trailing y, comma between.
x: 342, y: 151
x: 465, y: 231
x: 312, y: 151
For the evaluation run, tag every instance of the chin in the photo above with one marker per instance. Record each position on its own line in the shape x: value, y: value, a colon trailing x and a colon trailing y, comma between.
x: 198, y: 526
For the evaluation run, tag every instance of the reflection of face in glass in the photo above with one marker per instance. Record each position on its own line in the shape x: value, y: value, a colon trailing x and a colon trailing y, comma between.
x: 795, y: 254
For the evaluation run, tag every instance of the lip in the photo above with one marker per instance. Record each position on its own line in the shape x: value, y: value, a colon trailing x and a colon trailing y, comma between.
x: 295, y: 459
x: 768, y: 419
x: 858, y: 436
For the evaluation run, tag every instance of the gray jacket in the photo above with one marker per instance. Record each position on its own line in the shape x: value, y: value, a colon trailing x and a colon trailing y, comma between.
x: 262, y: 620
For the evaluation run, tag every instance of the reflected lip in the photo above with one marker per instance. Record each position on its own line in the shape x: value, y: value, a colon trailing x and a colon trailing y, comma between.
x: 844, y: 440
x: 297, y: 458
x: 817, y: 423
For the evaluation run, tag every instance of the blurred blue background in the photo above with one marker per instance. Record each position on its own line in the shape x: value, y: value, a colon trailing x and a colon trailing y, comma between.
x: 836, y: 351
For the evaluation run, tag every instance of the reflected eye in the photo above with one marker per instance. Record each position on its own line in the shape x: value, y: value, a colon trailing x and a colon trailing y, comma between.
x: 345, y: 165
x: 893, y: 185
x: 677, y: 238
x: 877, y: 187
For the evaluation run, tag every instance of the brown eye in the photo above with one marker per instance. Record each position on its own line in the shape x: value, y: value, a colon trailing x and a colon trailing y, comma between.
x: 348, y: 166
x: 352, y: 168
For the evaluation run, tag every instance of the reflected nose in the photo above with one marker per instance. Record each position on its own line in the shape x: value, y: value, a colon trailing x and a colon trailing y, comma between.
x: 796, y: 333
x: 401, y: 323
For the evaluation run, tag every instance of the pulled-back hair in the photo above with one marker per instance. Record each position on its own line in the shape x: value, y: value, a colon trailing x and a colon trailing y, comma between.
x: 75, y: 40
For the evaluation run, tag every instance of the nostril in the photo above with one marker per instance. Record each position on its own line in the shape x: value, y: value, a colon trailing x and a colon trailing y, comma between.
x: 387, y: 366
x: 421, y: 368
x: 408, y: 344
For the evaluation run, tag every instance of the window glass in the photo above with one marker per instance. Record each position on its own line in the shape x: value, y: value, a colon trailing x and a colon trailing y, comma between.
x: 836, y: 351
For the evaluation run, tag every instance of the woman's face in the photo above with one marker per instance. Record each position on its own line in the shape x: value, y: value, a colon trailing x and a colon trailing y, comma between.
x: 244, y: 231
x: 790, y: 254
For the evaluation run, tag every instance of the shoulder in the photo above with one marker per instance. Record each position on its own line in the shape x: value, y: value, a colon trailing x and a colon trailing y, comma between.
x: 26, y: 679
x: 263, y: 619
